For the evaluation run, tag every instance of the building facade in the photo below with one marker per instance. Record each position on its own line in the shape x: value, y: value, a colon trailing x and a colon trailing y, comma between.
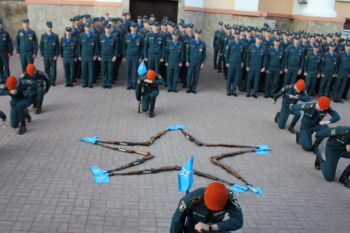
x: 308, y: 15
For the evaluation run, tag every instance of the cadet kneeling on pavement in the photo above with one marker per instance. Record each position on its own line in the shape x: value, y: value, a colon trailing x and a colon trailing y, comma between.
x: 20, y: 92
x: 147, y: 91
x: 338, y: 146
x: 204, y: 210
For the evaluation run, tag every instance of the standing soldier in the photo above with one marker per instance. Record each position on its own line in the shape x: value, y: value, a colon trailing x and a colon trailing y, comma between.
x: 107, y: 54
x: 255, y: 65
x: 313, y: 120
x: 312, y: 68
x: 185, y: 40
x: 132, y: 53
x: 343, y: 74
x: 153, y: 48
x: 174, y: 54
x: 274, y: 68
x: 338, y: 146
x: 26, y: 44
x: 204, y: 210
x: 6, y: 50
x: 328, y: 70
x: 69, y: 54
x: 87, y: 51
x: 291, y: 95
x: 195, y: 59
x: 50, y: 50
x: 293, y: 62
x: 224, y: 42
x: 216, y: 43
x: 234, y: 58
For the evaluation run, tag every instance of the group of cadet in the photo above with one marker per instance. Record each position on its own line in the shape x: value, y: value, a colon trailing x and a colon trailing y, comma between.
x: 255, y: 59
x: 95, y: 47
x: 25, y: 91
x: 314, y: 124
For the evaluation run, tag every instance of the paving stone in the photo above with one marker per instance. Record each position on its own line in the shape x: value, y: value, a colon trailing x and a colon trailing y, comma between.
x: 46, y: 184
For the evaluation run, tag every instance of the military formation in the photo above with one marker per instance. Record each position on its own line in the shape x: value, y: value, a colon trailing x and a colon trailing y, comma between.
x: 261, y: 59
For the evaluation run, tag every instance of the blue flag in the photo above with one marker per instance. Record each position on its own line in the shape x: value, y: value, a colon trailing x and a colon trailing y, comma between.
x: 142, y: 70
x: 185, y: 176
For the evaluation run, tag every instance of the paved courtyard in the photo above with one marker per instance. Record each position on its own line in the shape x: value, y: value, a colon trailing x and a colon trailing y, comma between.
x: 46, y: 184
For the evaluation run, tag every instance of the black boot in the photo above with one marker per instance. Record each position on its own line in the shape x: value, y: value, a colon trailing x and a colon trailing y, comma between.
x: 297, y: 137
x: 277, y: 116
x: 344, y: 178
x: 315, y: 147
x: 151, y: 109
x: 291, y: 129
x: 22, y: 128
x: 27, y: 116
x: 318, y: 162
x: 38, y: 110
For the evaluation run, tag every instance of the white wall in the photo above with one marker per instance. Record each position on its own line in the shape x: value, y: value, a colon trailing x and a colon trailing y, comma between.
x: 298, y: 8
x: 194, y: 3
x: 247, y: 5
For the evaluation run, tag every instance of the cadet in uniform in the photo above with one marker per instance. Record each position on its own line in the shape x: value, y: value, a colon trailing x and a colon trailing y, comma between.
x: 26, y: 44
x: 234, y: 56
x: 328, y: 70
x: 312, y: 68
x: 40, y: 88
x: 338, y: 146
x: 312, y: 120
x: 6, y: 50
x: 50, y: 50
x: 87, y: 52
x: 291, y: 95
x: 107, y: 54
x: 133, y: 55
x: 153, y: 48
x: 69, y: 54
x: 204, y: 210
x: 343, y: 74
x: 195, y: 59
x: 254, y: 65
x: 217, y: 43
x: 20, y: 92
x: 274, y: 68
x: 174, y: 55
x: 293, y: 62
x: 147, y: 91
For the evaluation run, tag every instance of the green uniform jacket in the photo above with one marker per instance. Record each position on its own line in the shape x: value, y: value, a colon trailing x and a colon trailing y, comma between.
x: 133, y: 46
x: 312, y: 63
x: 153, y: 45
x: 234, y: 52
x: 290, y: 90
x: 26, y: 41
x: 69, y: 48
x: 49, y: 45
x: 6, y: 45
x: 274, y: 59
x: 88, y: 46
x: 294, y: 57
x: 108, y: 47
x: 192, y: 210
x: 196, y: 52
x: 329, y: 63
x: 255, y: 57
x: 174, y: 53
x: 339, y: 137
x: 312, y: 116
